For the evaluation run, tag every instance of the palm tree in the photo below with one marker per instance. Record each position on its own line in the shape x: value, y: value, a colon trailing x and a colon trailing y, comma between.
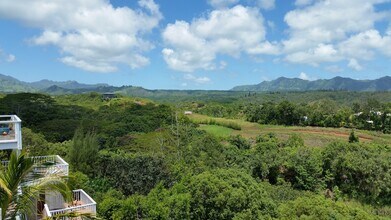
x: 17, y: 197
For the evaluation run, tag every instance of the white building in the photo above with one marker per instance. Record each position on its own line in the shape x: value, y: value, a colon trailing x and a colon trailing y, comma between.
x: 188, y: 112
x: 50, y: 204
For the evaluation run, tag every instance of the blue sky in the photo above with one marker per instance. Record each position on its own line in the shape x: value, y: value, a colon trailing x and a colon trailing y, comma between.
x: 194, y: 44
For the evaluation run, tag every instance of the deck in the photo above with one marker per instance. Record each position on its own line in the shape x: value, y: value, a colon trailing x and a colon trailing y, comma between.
x: 10, y: 132
x: 82, y: 204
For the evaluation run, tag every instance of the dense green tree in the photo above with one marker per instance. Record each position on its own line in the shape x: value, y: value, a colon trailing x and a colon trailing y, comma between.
x: 304, y: 169
x: 360, y: 171
x: 218, y: 194
x: 31, y: 108
x: 132, y: 173
x: 239, y: 142
x: 318, y: 207
x: 83, y: 154
x: 268, y: 159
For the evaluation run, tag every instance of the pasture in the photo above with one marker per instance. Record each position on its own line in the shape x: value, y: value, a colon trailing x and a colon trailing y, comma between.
x: 312, y: 136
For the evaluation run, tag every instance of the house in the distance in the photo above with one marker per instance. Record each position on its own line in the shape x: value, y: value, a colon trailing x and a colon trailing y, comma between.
x: 108, y: 95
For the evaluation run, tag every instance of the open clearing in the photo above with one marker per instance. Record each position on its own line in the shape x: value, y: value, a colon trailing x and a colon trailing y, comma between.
x: 313, y: 136
x: 218, y: 131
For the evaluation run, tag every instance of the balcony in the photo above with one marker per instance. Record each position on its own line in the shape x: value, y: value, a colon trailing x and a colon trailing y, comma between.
x: 45, y: 165
x: 82, y: 204
x: 10, y: 132
x: 52, y: 164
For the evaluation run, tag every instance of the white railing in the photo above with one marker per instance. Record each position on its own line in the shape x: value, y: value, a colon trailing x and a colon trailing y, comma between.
x: 13, y: 140
x: 43, y: 165
x: 82, y: 203
x: 46, y: 212
x: 52, y: 164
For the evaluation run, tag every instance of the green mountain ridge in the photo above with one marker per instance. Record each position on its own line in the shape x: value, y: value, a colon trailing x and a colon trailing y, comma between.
x: 9, y: 84
x: 334, y: 84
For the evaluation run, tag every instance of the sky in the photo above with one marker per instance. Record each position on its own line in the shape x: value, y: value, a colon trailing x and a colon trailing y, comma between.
x: 194, y: 44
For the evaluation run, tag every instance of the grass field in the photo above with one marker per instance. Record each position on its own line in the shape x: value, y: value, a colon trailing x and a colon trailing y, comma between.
x: 216, y: 130
x: 313, y: 136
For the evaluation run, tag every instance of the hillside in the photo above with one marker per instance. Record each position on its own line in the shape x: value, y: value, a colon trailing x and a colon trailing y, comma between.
x: 9, y: 84
x: 337, y: 83
x: 71, y: 84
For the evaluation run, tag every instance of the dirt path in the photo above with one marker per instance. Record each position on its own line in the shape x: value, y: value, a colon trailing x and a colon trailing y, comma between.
x: 334, y: 133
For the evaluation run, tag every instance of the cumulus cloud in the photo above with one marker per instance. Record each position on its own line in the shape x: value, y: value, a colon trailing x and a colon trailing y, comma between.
x: 9, y: 58
x: 93, y: 35
x: 198, y: 80
x: 314, y: 56
x: 353, y: 63
x: 266, y: 4
x: 364, y: 45
x: 195, y: 45
x: 304, y: 76
x: 332, y: 31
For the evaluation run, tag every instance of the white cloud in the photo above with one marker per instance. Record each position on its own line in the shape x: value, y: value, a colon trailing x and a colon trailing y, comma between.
x: 265, y: 48
x: 198, y: 80
x: 353, y: 63
x: 6, y: 57
x: 222, y: 3
x: 314, y: 56
x: 303, y: 2
x: 266, y: 4
x: 304, y: 76
x: 365, y: 44
x: 334, y: 30
x: 103, y: 67
x: 10, y: 58
x: 195, y: 45
x: 91, y: 34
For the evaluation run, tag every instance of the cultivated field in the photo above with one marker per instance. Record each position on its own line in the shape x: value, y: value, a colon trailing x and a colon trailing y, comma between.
x: 313, y: 136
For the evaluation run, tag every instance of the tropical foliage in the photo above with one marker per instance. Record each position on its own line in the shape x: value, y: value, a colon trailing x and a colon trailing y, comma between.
x: 143, y: 160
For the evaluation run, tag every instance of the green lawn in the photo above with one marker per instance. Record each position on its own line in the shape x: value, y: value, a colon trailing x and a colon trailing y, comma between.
x: 216, y: 130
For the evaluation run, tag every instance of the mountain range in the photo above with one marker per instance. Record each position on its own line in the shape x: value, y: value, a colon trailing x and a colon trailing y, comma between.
x: 334, y: 84
x: 10, y: 84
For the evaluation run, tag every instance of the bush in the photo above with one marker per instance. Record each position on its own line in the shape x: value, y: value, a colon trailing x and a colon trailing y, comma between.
x: 239, y: 142
x: 353, y: 138
x: 318, y: 207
